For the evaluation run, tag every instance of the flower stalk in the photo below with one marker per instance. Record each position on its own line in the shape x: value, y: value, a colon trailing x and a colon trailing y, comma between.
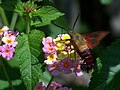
x: 28, y: 23
x: 3, y: 16
x: 6, y: 74
x: 49, y: 83
x: 13, y: 21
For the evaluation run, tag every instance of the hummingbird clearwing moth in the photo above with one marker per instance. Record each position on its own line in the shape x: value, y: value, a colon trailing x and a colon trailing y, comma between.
x: 83, y: 44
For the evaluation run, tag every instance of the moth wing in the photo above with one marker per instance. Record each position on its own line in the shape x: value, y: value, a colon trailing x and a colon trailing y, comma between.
x: 94, y: 38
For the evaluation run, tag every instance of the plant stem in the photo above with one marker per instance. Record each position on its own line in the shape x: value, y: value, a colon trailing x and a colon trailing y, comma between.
x: 3, y: 16
x: 27, y: 23
x: 6, y: 75
x: 49, y: 83
x: 13, y: 21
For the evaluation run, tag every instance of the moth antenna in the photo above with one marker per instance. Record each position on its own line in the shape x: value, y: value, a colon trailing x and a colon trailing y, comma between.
x: 75, y: 21
x: 60, y: 26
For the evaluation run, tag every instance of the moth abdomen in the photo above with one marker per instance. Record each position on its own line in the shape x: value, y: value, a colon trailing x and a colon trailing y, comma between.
x: 88, y: 58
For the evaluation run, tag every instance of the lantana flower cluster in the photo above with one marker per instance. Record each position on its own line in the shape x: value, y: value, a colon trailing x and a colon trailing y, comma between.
x: 53, y: 86
x: 7, y: 42
x: 61, y: 56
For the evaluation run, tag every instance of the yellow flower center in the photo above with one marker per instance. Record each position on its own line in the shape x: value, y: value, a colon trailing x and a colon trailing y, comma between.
x: 38, y: 88
x: 66, y: 65
x: 7, y: 51
x: 51, y: 49
x: 9, y: 41
x: 51, y: 57
x: 1, y: 30
x: 56, y: 66
x: 78, y: 67
x: 63, y: 54
x: 48, y: 42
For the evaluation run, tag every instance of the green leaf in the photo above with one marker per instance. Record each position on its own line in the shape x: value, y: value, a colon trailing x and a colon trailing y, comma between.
x: 19, y: 8
x: 13, y: 5
x: 62, y: 23
x: 107, y: 72
x: 45, y: 77
x: 20, y: 25
x: 4, y: 84
x: 27, y: 53
x: 38, y: 0
x: 106, y: 2
x: 45, y: 15
x: 9, y: 4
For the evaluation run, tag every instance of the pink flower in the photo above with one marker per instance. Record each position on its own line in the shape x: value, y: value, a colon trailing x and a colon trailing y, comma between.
x: 10, y: 41
x: 47, y: 41
x: 10, y: 33
x: 54, y: 68
x: 49, y: 49
x: 51, y: 59
x: 54, y: 85
x: 49, y: 46
x: 5, y: 28
x: 64, y: 88
x: 0, y: 50
x: 40, y: 86
x: 7, y: 52
x: 77, y: 68
x: 66, y: 65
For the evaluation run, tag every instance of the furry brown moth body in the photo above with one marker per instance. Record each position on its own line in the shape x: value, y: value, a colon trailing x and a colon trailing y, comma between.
x: 83, y: 44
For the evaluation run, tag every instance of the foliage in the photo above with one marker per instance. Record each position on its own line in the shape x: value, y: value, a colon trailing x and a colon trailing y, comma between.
x: 4, y: 84
x: 27, y: 53
x: 9, y: 4
x: 106, y: 74
x: 45, y: 15
x: 106, y: 2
